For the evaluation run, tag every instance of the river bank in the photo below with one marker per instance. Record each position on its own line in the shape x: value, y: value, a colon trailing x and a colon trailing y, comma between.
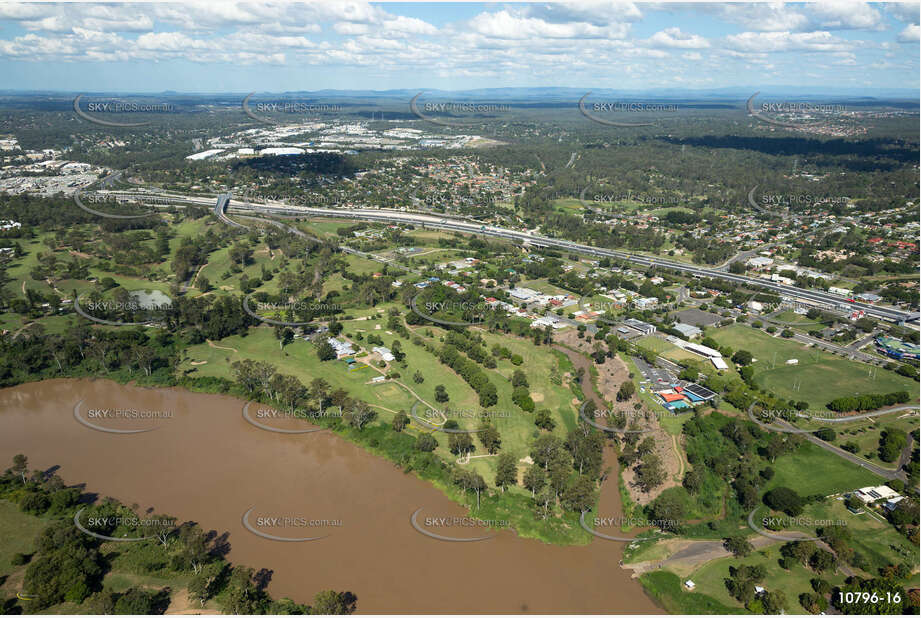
x: 204, y: 462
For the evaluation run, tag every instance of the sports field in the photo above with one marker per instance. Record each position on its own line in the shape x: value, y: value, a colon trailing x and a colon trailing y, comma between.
x: 817, y: 378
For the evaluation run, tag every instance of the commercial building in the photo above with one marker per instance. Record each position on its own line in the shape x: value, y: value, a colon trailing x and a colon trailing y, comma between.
x: 643, y: 327
x: 759, y: 262
x: 897, y: 349
x: 687, y: 330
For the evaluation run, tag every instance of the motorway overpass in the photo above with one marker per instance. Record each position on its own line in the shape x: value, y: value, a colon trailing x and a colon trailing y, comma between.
x: 451, y: 224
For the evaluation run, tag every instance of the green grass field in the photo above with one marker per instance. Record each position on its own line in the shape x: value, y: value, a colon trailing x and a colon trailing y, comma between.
x: 18, y: 533
x: 666, y: 588
x: 812, y: 470
x: 870, y: 535
x: 666, y: 350
x: 710, y: 578
x: 866, y: 432
x: 818, y: 378
x: 300, y: 360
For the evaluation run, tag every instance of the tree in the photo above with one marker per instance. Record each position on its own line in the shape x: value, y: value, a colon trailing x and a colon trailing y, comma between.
x: 522, y: 398
x: 738, y: 545
x: 626, y: 391
x: 650, y: 473
x: 135, y: 601
x: 331, y: 603
x: 459, y: 443
x: 490, y: 438
x: 822, y: 561
x: 742, y: 358
x: 519, y: 379
x: 535, y: 479
x: 667, y: 511
x: 426, y: 443
x: 418, y: 378
x: 400, y: 421
x: 469, y: 480
x: 543, y: 420
x: 579, y: 495
x: 441, y: 395
x: 693, y: 480
x: 506, y: 470
x: 784, y: 499
x: 20, y: 466
x: 326, y: 352
x: 360, y: 415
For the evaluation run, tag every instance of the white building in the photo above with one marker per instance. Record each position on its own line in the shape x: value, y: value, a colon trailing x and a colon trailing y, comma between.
x: 646, y: 303
x: 384, y: 353
x: 522, y: 293
x: 687, y: 330
x: 871, y: 494
x: 759, y: 262
x: 342, y: 348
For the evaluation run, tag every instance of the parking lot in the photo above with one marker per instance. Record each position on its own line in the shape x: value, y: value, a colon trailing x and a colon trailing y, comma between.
x: 654, y: 375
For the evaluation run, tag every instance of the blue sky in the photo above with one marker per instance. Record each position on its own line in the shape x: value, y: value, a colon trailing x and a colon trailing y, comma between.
x: 283, y: 46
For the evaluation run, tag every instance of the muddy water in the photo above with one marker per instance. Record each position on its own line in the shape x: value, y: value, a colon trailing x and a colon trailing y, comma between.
x: 202, y: 461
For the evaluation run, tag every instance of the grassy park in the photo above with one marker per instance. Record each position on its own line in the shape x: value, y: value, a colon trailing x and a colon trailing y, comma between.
x: 818, y: 377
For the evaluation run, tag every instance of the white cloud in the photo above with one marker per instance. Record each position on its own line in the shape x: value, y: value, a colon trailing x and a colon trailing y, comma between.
x: 846, y: 15
x: 787, y: 41
x: 908, y: 12
x: 765, y: 17
x: 910, y: 34
x: 505, y: 25
x: 673, y: 37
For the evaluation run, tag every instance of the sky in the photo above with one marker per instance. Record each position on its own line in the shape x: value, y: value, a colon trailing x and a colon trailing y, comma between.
x: 223, y: 46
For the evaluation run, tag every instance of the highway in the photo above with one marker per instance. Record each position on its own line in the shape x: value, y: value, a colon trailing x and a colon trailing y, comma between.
x: 447, y: 223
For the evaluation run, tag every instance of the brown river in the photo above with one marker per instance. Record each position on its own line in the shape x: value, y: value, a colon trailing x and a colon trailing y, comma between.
x: 202, y: 461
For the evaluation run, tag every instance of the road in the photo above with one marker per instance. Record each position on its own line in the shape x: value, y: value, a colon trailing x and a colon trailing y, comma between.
x: 848, y: 351
x: 447, y: 223
x: 877, y: 470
